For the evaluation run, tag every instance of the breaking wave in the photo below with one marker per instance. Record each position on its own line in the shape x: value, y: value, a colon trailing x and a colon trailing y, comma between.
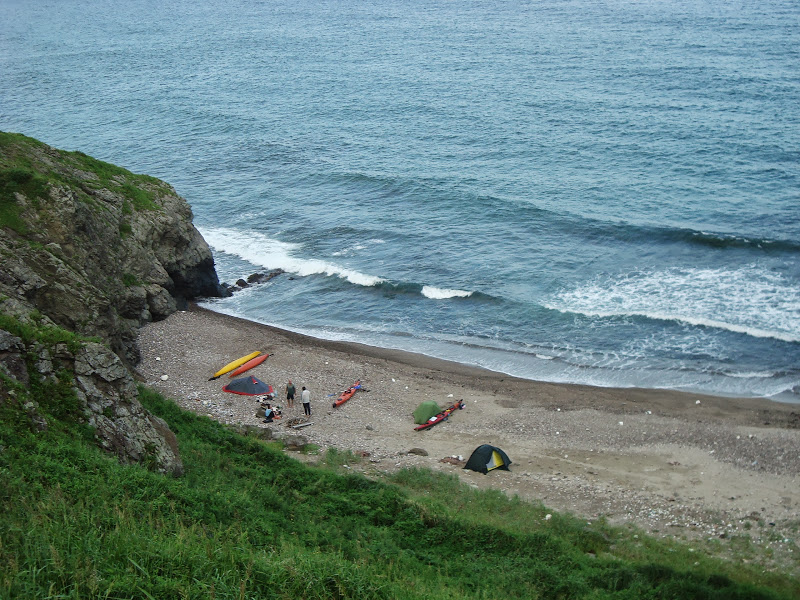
x: 435, y: 293
x: 750, y: 300
x: 269, y: 253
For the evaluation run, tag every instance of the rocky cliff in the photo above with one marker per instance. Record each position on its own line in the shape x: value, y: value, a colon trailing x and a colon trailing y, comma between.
x: 92, y: 247
x: 96, y: 250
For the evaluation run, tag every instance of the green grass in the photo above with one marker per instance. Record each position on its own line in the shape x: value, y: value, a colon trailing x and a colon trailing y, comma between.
x: 19, y: 181
x: 45, y: 334
x: 248, y: 521
x: 137, y: 189
x: 21, y: 171
x: 129, y: 279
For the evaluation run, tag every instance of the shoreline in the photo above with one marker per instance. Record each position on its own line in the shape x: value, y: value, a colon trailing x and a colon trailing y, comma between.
x: 668, y: 399
x: 673, y: 463
x: 424, y: 360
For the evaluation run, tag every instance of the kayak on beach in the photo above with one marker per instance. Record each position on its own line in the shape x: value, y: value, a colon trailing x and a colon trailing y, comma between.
x: 233, y: 364
x: 253, y: 362
x: 442, y: 416
x: 347, y: 394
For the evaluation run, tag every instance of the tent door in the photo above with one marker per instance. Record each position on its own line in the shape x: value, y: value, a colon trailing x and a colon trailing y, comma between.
x: 494, y: 461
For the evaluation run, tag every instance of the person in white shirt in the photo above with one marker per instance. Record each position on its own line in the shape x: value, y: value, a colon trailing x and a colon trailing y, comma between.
x: 305, y: 396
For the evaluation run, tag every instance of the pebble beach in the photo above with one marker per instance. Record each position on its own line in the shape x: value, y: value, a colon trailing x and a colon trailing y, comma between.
x: 673, y: 464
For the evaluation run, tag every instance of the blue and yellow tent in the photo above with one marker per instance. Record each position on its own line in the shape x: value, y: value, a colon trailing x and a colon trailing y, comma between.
x: 486, y: 458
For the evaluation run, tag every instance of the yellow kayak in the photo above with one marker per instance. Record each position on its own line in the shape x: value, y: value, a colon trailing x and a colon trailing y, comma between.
x: 233, y: 364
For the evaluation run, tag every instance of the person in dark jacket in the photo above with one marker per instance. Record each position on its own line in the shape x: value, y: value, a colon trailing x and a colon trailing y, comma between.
x: 290, y: 394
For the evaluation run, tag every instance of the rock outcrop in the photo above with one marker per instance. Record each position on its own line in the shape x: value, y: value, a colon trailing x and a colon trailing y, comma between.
x: 106, y: 395
x: 98, y: 251
x: 94, y: 248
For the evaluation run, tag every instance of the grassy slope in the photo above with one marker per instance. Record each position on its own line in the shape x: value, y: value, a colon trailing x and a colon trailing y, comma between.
x: 247, y: 521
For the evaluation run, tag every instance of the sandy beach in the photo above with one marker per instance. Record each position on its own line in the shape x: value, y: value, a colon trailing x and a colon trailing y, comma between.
x: 673, y: 464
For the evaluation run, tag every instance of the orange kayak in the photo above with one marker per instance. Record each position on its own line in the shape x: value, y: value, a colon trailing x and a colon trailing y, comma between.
x: 347, y: 394
x: 253, y: 362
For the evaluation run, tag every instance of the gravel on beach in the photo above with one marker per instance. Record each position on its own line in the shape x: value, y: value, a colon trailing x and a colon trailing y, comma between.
x: 692, y: 467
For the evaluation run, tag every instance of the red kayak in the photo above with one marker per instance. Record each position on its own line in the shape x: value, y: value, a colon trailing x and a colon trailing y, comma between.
x: 442, y: 416
x: 347, y: 394
x: 253, y: 362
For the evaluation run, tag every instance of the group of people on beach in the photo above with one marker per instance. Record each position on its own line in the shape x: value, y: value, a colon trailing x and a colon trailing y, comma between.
x: 305, y: 397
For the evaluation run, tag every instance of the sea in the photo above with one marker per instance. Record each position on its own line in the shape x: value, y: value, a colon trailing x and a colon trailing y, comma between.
x: 582, y: 191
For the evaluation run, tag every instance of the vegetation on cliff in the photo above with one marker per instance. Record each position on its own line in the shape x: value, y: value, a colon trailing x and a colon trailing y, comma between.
x: 92, y: 247
x: 88, y: 253
x: 31, y: 168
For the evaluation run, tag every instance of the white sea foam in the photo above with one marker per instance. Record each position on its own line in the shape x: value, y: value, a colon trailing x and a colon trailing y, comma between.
x: 749, y: 300
x: 435, y: 293
x: 753, y: 375
x: 347, y: 251
x: 269, y: 253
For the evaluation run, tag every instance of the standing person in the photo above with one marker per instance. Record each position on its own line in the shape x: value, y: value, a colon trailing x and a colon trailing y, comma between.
x: 290, y: 394
x: 305, y: 396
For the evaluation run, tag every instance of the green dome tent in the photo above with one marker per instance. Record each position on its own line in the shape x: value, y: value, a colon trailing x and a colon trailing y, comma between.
x: 486, y: 458
x: 425, y: 411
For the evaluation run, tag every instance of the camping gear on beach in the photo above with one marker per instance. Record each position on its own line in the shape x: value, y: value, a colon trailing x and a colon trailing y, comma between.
x: 233, y: 364
x: 253, y: 362
x: 347, y: 394
x: 425, y: 411
x: 486, y: 458
x: 264, y: 409
x: 440, y: 416
x: 248, y: 386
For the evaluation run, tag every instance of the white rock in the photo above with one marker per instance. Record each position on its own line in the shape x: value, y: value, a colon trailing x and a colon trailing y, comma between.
x: 164, y: 377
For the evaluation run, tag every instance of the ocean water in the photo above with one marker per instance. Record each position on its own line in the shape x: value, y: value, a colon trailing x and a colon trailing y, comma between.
x: 592, y: 192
